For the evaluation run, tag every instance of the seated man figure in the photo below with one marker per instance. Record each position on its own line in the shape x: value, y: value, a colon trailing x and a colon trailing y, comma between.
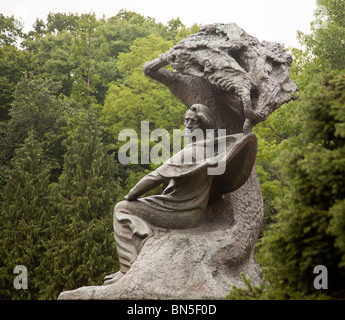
x: 184, y: 202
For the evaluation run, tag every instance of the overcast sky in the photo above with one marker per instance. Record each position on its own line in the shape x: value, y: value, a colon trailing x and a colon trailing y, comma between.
x: 272, y: 20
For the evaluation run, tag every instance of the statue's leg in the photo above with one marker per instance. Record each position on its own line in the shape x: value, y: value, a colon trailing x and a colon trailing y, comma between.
x: 130, y: 234
x: 132, y: 227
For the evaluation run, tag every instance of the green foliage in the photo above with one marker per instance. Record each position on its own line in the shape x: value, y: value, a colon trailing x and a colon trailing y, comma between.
x: 279, y: 133
x: 80, y: 52
x: 58, y: 22
x: 10, y: 30
x: 307, y: 232
x: 308, y: 226
x: 35, y: 107
x: 83, y: 53
x: 82, y: 248
x: 247, y: 293
x: 24, y: 219
x: 75, y: 63
x: 13, y: 62
x: 138, y: 97
x: 327, y: 38
x: 266, y: 292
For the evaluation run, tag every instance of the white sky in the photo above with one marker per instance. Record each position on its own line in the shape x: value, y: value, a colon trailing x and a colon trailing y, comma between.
x: 271, y: 20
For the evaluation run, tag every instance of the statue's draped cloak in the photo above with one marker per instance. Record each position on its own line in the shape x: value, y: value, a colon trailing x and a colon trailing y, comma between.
x: 184, y: 202
x: 235, y: 153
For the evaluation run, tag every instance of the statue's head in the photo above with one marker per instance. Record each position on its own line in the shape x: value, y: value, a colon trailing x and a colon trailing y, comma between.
x: 197, y: 117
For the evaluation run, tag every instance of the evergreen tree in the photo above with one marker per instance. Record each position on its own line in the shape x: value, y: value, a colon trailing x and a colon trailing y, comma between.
x: 13, y: 62
x: 280, y: 132
x: 82, y: 247
x: 83, y: 52
x: 310, y: 221
x: 36, y: 107
x: 24, y: 220
x: 310, y: 224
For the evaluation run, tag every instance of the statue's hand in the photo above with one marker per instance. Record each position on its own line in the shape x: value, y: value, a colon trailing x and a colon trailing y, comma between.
x: 144, y: 185
x: 131, y: 196
x: 147, y: 67
x: 163, y: 57
x: 155, y: 64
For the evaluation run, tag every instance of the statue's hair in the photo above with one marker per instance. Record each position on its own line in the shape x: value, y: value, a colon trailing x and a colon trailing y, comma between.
x: 204, y: 114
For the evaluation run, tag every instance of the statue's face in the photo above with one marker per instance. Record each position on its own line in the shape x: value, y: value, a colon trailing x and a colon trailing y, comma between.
x: 191, y: 122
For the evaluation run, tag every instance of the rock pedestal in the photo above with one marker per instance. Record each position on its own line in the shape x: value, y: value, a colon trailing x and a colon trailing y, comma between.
x: 199, y: 263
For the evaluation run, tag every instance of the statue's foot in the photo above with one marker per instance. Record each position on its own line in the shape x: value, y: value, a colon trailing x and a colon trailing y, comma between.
x: 112, y: 278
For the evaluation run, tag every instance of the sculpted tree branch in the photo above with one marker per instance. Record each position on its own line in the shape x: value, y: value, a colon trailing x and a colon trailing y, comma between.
x: 235, y: 63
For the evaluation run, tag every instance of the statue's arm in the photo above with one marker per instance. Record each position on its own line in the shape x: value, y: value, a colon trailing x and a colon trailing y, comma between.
x: 146, y: 184
x: 154, y: 69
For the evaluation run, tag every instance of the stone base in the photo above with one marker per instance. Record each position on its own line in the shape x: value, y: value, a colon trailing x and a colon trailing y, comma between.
x: 199, y: 263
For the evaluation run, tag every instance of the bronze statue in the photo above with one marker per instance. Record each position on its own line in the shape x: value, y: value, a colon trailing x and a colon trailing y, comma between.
x: 183, y: 203
x: 196, y: 239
